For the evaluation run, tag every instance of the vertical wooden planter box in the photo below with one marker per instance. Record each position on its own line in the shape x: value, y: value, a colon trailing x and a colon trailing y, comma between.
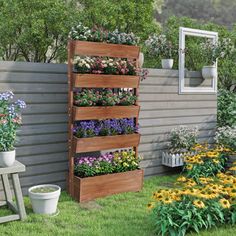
x: 86, y: 189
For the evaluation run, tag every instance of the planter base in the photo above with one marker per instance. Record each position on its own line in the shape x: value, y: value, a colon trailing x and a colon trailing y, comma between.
x: 86, y: 189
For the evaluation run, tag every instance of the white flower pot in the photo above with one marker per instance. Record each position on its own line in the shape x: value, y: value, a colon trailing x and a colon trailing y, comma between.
x: 44, y: 203
x: 7, y: 158
x: 167, y: 63
x: 141, y: 59
x: 209, y: 72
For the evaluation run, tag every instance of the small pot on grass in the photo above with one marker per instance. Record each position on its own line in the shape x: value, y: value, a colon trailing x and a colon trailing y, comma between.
x: 44, y: 198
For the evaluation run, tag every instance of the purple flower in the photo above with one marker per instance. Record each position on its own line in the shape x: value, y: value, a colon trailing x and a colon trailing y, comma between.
x: 6, y: 96
x: 20, y: 103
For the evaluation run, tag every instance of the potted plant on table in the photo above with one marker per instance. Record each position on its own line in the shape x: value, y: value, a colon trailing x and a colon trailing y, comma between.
x: 212, y: 51
x: 161, y: 46
x: 182, y: 140
x: 10, y: 121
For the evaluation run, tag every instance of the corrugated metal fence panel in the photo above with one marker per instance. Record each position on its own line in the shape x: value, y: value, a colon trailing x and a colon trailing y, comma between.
x: 42, y: 143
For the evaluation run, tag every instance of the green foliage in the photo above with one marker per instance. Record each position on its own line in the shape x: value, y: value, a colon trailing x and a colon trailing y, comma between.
x: 125, y: 15
x: 182, y: 139
x: 36, y: 30
x: 226, y: 108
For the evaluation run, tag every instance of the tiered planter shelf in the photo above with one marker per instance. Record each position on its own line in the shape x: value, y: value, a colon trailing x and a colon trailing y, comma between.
x: 84, y: 189
x: 83, y: 113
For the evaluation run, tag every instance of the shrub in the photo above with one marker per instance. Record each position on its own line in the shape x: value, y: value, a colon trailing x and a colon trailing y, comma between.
x: 10, y: 120
x: 226, y: 137
x: 182, y: 139
x: 226, y: 108
x: 160, y: 46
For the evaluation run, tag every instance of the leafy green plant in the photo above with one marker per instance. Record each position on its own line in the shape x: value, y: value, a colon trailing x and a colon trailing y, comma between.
x: 160, y: 46
x: 182, y: 139
x: 226, y: 137
x: 226, y: 108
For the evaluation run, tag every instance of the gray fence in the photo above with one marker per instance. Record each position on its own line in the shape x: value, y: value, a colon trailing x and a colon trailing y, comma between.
x: 42, y: 143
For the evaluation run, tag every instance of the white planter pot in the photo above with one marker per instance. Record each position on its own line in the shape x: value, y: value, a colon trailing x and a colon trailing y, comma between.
x: 44, y: 203
x: 174, y: 160
x: 7, y: 158
x: 167, y: 63
x: 141, y: 59
x: 209, y: 72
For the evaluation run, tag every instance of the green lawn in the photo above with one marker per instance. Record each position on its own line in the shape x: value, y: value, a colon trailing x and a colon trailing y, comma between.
x: 120, y: 215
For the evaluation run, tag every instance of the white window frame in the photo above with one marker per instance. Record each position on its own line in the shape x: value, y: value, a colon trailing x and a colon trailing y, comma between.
x: 183, y: 32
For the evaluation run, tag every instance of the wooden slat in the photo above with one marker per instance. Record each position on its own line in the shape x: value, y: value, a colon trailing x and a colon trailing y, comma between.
x: 105, y: 143
x: 29, y: 119
x: 163, y: 105
x: 32, y: 77
x: 177, y: 113
x: 89, y: 113
x: 90, y: 188
x: 105, y: 49
x: 105, y: 81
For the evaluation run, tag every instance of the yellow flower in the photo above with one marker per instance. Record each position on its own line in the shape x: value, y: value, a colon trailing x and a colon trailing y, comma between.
x: 182, y: 179
x: 167, y: 200
x: 216, y: 161
x: 189, y: 167
x: 150, y: 205
x: 224, y: 203
x: 199, y: 204
x: 232, y: 168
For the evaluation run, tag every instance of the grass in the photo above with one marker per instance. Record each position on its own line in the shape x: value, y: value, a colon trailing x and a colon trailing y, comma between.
x: 120, y: 215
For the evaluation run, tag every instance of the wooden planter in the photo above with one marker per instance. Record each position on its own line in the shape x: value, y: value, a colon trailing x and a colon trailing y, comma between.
x: 86, y: 189
x: 109, y: 112
x: 105, y: 142
x: 105, y: 81
x: 104, y: 49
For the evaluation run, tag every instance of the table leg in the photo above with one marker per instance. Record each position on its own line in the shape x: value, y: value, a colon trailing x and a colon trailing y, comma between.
x: 6, y: 187
x: 18, y: 195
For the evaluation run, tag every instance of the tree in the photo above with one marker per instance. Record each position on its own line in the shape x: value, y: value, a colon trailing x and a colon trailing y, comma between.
x: 126, y: 15
x: 36, y: 30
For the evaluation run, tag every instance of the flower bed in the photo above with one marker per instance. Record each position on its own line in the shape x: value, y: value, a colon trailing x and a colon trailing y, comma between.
x: 108, y: 163
x: 109, y: 127
x: 83, y: 33
x: 107, y: 174
x: 205, y: 198
x: 104, y: 97
x: 104, y: 65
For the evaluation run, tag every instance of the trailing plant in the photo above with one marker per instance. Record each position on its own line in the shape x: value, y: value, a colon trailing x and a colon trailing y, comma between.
x: 226, y: 137
x: 83, y: 129
x: 104, y: 65
x: 119, y: 161
x: 159, y: 45
x: 226, y: 108
x: 83, y: 33
x: 182, y: 139
x: 105, y: 97
x: 10, y: 120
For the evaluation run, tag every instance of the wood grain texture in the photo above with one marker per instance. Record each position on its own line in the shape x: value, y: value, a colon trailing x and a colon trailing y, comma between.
x: 110, y: 112
x: 105, y: 142
x: 86, y: 189
x: 105, y: 81
x: 105, y: 49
